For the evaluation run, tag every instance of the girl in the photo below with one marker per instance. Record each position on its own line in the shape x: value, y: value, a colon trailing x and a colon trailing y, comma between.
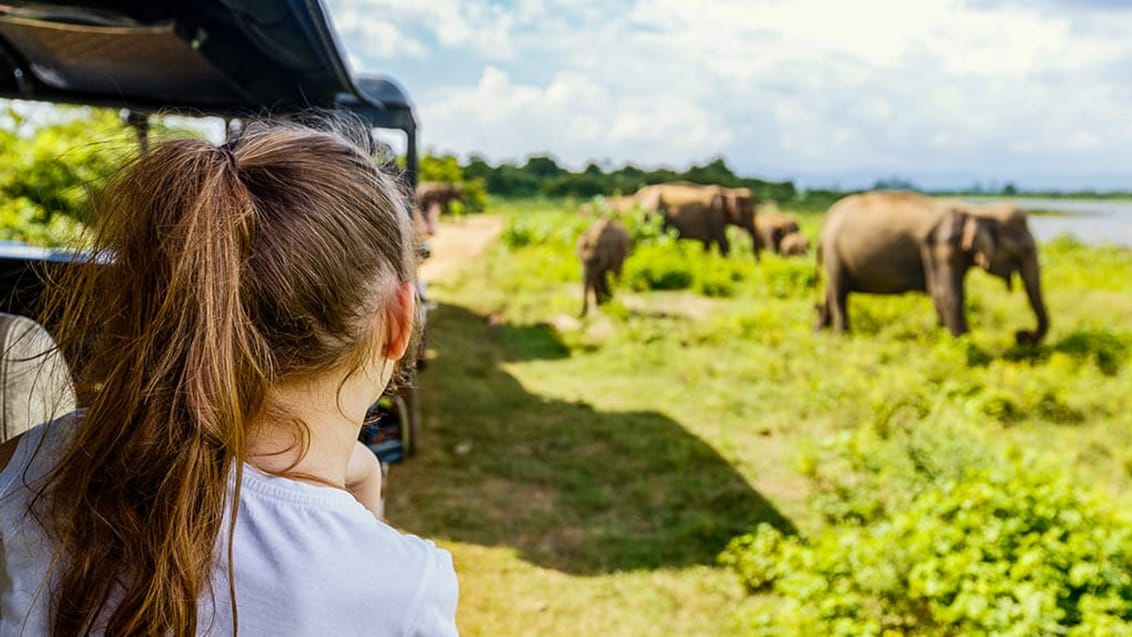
x: 250, y: 303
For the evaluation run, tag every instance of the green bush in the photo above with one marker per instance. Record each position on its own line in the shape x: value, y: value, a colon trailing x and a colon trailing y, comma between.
x: 931, y: 540
x: 49, y: 171
x: 658, y: 267
x: 546, y: 231
x: 24, y: 221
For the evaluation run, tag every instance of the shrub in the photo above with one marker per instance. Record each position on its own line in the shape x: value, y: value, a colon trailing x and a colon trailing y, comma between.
x: 553, y: 231
x: 657, y: 267
x: 979, y: 545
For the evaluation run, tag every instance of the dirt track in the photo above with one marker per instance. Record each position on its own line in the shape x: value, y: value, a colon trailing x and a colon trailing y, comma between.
x: 456, y: 242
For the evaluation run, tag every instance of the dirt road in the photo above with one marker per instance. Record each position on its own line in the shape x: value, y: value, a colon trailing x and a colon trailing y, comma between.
x: 456, y: 243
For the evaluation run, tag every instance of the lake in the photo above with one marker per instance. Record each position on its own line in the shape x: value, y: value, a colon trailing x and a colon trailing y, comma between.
x: 1092, y: 221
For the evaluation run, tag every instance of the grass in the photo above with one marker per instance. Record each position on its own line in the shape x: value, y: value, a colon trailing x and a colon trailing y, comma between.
x: 586, y: 473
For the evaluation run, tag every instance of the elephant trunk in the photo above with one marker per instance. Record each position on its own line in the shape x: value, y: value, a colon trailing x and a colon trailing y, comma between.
x: 1031, y: 278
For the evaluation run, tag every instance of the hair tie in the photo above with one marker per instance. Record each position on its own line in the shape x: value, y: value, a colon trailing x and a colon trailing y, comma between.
x: 227, y: 149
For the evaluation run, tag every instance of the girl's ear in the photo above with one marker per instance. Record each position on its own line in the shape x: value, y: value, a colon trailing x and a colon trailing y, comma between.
x: 399, y: 317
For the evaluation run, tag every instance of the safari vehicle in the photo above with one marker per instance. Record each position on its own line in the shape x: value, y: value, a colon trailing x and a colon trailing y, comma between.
x: 231, y: 59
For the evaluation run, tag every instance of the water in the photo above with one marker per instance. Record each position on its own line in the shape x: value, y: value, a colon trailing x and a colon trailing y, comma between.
x: 1092, y: 221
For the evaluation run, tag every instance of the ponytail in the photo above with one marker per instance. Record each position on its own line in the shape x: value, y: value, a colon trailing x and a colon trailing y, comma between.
x: 183, y: 373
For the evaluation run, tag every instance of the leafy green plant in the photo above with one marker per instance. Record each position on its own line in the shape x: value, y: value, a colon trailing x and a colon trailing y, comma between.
x: 1012, y: 550
x: 50, y: 170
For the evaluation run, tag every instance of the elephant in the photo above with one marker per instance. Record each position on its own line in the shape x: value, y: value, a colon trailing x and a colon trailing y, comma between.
x: 741, y: 211
x: 889, y: 242
x: 701, y: 212
x: 435, y: 198
x: 773, y: 227
x: 794, y: 244
x: 602, y: 249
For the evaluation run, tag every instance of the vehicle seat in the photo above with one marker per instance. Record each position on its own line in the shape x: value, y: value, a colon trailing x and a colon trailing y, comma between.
x: 35, y: 382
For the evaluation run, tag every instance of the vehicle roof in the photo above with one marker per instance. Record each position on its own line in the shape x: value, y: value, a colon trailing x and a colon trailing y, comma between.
x: 204, y: 57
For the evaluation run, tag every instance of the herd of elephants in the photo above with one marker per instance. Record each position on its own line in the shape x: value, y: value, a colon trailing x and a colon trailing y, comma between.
x: 878, y: 242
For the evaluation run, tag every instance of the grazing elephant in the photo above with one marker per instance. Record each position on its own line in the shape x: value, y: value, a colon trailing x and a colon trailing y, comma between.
x: 741, y: 211
x: 794, y: 244
x: 696, y: 212
x: 888, y: 242
x: 701, y: 212
x: 773, y: 227
x: 602, y: 249
x: 435, y: 198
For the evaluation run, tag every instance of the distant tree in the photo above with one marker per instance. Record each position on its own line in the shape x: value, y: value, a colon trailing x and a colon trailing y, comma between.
x: 541, y: 174
x: 1009, y: 189
x: 894, y: 183
x: 542, y: 166
x: 714, y: 172
x: 441, y: 168
x: 478, y: 168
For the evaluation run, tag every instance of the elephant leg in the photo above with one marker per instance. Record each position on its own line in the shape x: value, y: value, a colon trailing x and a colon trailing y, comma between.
x: 721, y: 240
x: 836, y: 311
x: 587, y: 285
x: 603, y: 285
x: 944, y: 279
x: 755, y: 247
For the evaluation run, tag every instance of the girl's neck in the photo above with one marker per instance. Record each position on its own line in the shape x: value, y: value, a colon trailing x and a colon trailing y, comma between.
x: 331, y: 407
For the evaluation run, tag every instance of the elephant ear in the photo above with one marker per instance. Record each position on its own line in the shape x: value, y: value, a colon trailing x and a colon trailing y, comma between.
x: 978, y: 239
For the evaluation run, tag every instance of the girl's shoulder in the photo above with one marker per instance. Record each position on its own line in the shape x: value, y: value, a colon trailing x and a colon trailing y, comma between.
x: 31, y: 455
x: 290, y: 535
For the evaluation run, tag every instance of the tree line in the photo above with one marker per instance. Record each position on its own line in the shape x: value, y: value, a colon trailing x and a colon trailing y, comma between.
x: 541, y: 175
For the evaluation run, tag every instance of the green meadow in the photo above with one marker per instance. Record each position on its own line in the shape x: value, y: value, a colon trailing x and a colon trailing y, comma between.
x: 591, y: 476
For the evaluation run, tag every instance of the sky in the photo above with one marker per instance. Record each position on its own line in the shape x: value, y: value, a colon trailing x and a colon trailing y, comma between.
x: 841, y: 93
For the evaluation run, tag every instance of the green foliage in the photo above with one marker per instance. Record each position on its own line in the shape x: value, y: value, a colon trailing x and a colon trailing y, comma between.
x: 541, y: 175
x: 22, y: 220
x: 50, y: 171
x: 1002, y: 546
x: 441, y: 168
x: 547, y: 231
x: 680, y: 265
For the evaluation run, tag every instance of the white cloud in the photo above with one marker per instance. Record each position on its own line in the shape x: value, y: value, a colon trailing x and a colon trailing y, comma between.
x: 481, y: 26
x: 570, y: 117
x: 780, y: 87
x: 383, y: 39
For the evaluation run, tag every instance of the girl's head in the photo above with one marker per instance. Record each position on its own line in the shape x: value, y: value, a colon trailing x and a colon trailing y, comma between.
x: 291, y: 235
x: 225, y: 271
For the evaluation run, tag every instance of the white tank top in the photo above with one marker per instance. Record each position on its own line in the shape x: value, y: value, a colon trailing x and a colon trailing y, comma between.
x: 308, y: 560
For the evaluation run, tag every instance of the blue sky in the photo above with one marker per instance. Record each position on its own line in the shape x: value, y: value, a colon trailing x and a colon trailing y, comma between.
x: 825, y: 92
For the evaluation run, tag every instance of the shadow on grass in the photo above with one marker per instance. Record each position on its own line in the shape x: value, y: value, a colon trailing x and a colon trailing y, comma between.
x: 567, y: 486
x: 1109, y: 350
x: 529, y: 342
